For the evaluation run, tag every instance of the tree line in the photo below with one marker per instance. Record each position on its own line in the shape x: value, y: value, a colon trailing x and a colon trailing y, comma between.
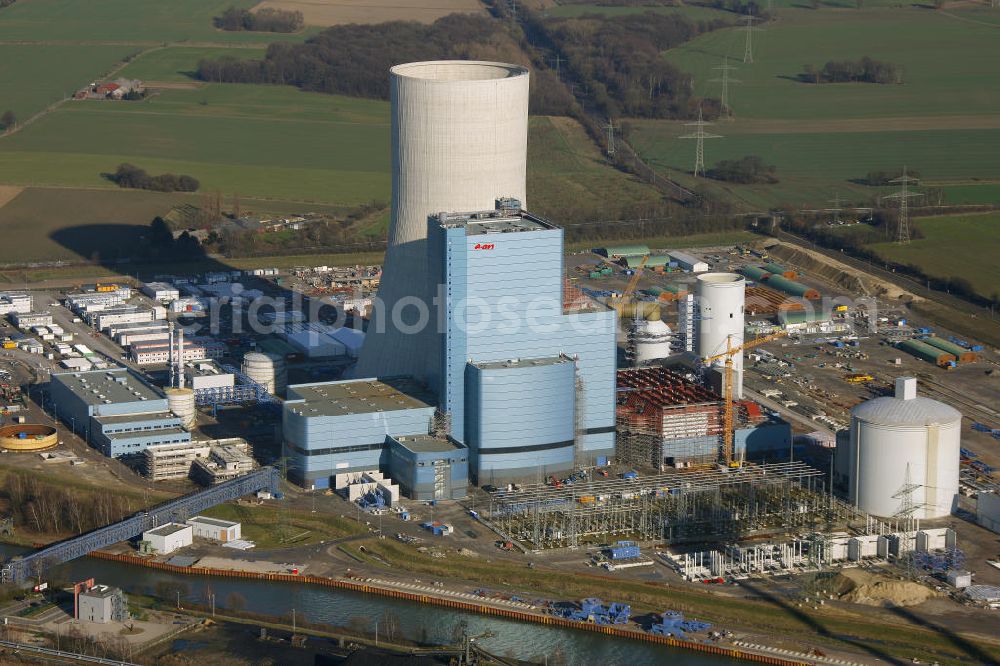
x: 237, y: 19
x: 617, y: 61
x: 749, y: 169
x: 52, y: 508
x: 131, y: 176
x: 8, y: 120
x: 866, y: 70
x: 355, y: 59
x: 6, y: 3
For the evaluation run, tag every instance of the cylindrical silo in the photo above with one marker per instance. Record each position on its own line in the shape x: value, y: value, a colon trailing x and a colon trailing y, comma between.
x: 904, y: 455
x: 268, y: 370
x: 181, y: 402
x: 720, y: 302
x: 459, y: 142
x: 649, y: 340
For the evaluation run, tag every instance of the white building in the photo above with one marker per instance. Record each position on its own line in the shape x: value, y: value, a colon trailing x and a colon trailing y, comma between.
x: 215, y: 529
x: 25, y: 320
x: 11, y: 302
x: 206, y: 375
x: 688, y: 262
x: 195, y: 349
x: 168, y: 538
x: 101, y: 604
x: 161, y: 291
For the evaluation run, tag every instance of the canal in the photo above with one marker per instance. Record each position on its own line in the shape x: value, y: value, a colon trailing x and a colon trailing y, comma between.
x: 339, y: 608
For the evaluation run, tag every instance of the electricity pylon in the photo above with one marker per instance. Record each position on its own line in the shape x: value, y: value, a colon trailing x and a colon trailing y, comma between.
x: 725, y: 79
x: 903, y: 227
x: 749, y: 29
x: 699, y: 135
x: 610, y: 129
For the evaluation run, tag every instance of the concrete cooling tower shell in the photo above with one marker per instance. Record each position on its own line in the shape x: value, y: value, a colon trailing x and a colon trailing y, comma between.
x: 459, y: 142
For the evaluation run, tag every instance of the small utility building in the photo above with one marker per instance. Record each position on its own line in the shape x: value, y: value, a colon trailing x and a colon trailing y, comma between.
x: 429, y: 468
x: 168, y: 538
x: 102, y: 604
x: 214, y: 529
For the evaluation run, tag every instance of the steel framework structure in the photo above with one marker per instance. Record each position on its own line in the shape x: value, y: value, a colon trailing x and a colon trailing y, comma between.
x: 20, y: 569
x: 247, y: 390
x: 674, y: 507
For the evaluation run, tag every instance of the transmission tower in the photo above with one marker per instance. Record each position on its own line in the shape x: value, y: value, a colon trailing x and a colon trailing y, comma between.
x: 836, y: 208
x: 699, y: 134
x: 907, y: 507
x: 903, y: 227
x: 725, y: 79
x: 610, y: 128
x: 749, y: 29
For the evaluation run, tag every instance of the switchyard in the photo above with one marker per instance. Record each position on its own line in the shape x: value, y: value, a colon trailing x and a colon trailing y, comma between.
x: 676, y: 507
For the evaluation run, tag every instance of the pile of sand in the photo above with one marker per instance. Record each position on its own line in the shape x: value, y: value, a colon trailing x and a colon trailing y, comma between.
x: 861, y: 587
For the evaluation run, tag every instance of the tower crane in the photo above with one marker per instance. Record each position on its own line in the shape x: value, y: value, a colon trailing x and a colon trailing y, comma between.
x: 727, y: 389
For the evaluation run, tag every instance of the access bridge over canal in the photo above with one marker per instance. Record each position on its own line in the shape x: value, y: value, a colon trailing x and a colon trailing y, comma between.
x: 19, y: 570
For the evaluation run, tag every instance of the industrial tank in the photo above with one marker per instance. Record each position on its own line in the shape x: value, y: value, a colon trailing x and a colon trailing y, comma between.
x: 720, y: 302
x: 904, y: 450
x: 28, y: 437
x: 459, y: 142
x: 649, y: 341
x: 268, y: 370
x: 181, y: 403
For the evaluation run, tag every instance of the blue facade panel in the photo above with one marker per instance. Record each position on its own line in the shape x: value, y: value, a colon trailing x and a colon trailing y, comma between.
x: 502, y: 299
x: 319, y: 446
x: 429, y: 475
x: 765, y: 438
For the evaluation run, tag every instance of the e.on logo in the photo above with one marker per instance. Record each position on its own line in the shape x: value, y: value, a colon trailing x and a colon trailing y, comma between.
x: 484, y: 246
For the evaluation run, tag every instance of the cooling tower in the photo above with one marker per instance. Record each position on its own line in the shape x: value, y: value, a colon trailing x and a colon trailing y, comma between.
x: 459, y: 142
x: 720, y: 301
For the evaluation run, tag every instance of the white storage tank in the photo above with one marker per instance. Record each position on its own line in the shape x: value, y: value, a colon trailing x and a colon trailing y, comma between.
x: 268, y: 370
x: 649, y: 340
x: 720, y: 299
x: 181, y: 402
x: 904, y: 441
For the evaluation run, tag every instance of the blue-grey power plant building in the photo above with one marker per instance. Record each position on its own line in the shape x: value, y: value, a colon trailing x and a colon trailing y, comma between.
x: 115, y: 411
x: 515, y: 378
x: 470, y: 340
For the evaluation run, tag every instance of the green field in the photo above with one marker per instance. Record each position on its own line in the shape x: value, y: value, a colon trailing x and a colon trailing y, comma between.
x: 265, y: 141
x: 941, y: 122
x: 35, y: 76
x: 153, y: 21
x: 178, y: 63
x: 963, y: 83
x: 568, y: 177
x: 965, y: 246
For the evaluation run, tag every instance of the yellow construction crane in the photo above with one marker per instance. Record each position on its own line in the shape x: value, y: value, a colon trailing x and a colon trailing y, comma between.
x: 633, y: 281
x: 727, y: 389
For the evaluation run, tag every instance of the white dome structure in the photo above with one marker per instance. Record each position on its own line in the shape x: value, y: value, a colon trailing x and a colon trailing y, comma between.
x: 649, y: 340
x: 904, y: 452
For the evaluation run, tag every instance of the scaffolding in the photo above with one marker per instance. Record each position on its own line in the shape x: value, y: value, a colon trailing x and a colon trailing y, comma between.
x: 245, y: 390
x: 675, y: 507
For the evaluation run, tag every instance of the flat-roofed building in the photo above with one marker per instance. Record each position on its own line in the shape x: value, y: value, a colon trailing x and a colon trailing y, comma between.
x: 215, y: 529
x: 168, y: 538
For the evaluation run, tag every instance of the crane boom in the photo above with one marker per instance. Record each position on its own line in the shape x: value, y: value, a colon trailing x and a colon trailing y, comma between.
x: 728, y: 433
x: 633, y: 281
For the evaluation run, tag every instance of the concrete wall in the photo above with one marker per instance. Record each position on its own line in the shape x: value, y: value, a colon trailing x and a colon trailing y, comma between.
x: 988, y: 511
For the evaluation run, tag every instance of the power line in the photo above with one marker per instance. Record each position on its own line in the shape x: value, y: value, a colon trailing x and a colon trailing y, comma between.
x: 725, y: 79
x: 903, y: 227
x: 699, y: 135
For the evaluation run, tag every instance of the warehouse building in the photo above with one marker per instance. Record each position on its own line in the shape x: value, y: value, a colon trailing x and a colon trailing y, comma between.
x: 115, y: 411
x: 688, y: 262
x: 26, y: 320
x: 429, y: 468
x: 158, y: 353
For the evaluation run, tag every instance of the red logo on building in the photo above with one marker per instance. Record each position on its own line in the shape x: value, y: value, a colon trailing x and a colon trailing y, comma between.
x: 484, y: 246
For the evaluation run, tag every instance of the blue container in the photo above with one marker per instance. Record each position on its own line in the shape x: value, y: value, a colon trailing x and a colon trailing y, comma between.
x: 602, y: 461
x: 630, y: 475
x: 22, y: 435
x: 976, y: 348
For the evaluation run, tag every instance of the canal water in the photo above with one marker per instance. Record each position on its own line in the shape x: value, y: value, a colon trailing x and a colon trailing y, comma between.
x: 342, y: 608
